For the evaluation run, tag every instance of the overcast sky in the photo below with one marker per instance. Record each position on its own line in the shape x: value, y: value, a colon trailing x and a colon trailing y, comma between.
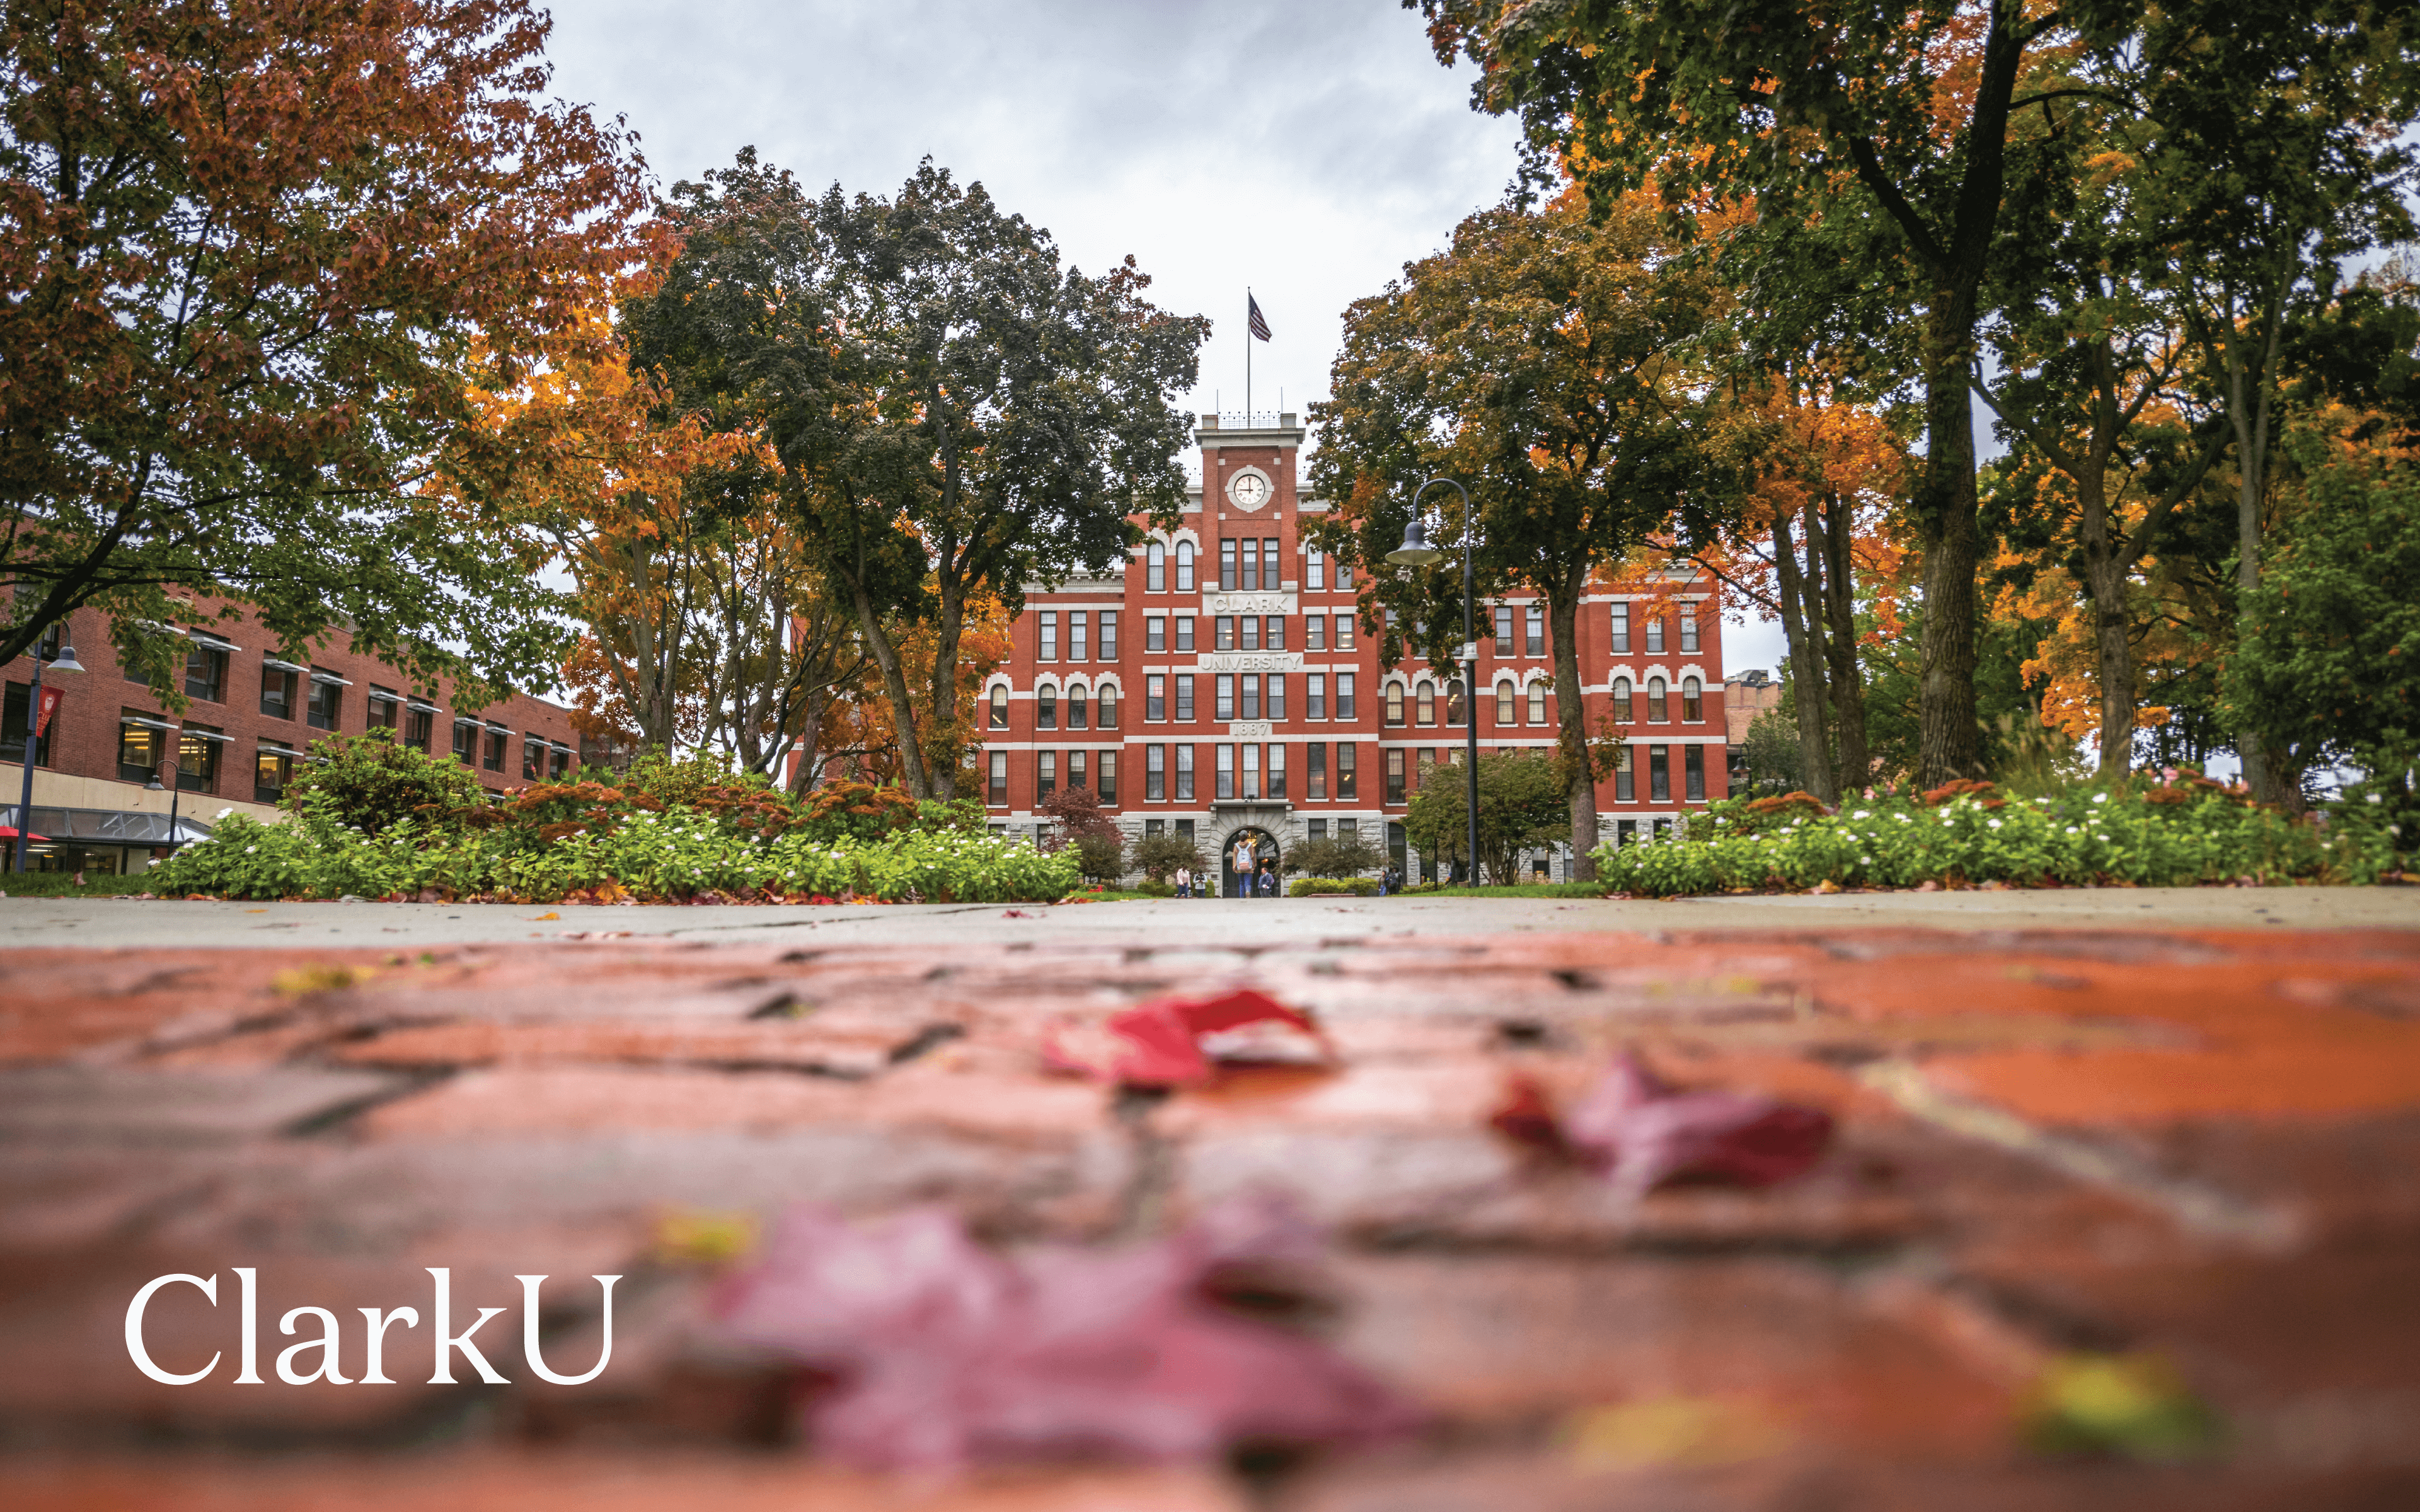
x: 1306, y: 151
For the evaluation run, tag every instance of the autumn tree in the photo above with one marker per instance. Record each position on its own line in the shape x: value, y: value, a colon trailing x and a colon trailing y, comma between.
x: 1542, y: 362
x: 1522, y: 807
x: 250, y: 261
x: 954, y: 412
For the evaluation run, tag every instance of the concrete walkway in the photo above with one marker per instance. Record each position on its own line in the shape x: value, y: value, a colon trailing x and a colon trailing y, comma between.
x: 2120, y: 1211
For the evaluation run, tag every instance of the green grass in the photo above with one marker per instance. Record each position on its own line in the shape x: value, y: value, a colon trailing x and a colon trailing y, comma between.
x: 1527, y: 889
x: 62, y: 884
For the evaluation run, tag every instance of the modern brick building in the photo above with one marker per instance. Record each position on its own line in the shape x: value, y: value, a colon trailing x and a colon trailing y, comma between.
x: 1219, y: 686
x: 253, y: 715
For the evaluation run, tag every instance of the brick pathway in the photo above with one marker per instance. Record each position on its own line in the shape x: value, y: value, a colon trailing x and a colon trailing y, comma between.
x: 2063, y: 1158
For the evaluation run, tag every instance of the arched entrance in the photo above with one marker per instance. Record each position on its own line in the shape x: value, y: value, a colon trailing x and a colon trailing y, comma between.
x: 1263, y: 849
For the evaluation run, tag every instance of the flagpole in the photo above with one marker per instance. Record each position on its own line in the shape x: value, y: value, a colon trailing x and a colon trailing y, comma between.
x: 1247, y: 356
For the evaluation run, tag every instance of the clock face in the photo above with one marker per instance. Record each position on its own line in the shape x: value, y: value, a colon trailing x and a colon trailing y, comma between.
x: 1248, y: 491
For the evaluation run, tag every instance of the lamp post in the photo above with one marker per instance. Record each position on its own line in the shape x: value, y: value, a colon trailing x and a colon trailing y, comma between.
x: 174, y: 794
x: 1417, y: 552
x: 64, y: 662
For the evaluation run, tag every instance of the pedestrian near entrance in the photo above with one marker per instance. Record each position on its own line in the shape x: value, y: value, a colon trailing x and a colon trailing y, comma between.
x: 1185, y: 882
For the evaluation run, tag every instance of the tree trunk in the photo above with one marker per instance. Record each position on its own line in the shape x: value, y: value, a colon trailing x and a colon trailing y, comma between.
x: 947, y: 629
x: 1950, y: 535
x: 2105, y: 582
x: 894, y: 684
x: 1571, y: 717
x: 1830, y: 530
x: 1806, y: 664
x: 2247, y: 414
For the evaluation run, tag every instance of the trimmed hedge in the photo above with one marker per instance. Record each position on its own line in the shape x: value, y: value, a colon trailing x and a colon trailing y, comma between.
x: 1333, y: 887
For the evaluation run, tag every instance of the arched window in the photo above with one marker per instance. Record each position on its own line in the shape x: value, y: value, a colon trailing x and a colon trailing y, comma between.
x: 1077, y: 707
x: 1046, y: 708
x: 1395, y: 704
x: 1537, y: 703
x: 1656, y: 713
x: 1504, y: 702
x: 1184, y: 566
x: 1693, y: 699
x: 1155, y: 568
x: 999, y: 705
x: 1457, y: 707
x: 1622, y: 701
x: 1104, y: 705
x: 1426, y: 695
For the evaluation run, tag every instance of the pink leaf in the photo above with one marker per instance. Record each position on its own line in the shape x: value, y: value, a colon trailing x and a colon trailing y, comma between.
x: 1645, y: 1134
x: 1171, y: 1042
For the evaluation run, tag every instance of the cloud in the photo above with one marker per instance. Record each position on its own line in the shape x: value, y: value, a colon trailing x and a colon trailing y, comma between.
x: 1306, y: 150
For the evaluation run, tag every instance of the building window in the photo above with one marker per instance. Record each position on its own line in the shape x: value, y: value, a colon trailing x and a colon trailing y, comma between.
x: 1251, y: 700
x: 1105, y: 782
x: 1226, y: 566
x: 384, y: 707
x: 1184, y: 566
x: 1537, y: 703
x: 1184, y: 783
x: 1108, y: 635
x: 1075, y: 709
x: 1252, y: 566
x: 1688, y: 618
x: 498, y: 742
x: 1225, y: 756
x: 1536, y: 643
x: 997, y: 794
x: 1504, y: 630
x: 1155, y: 572
x: 1314, y: 632
x: 1251, y: 640
x: 1659, y: 774
x: 1046, y: 708
x: 1693, y: 699
x: 1344, y: 696
x: 1314, y: 694
x: 327, y: 700
x: 1077, y: 623
x: 562, y: 762
x: 999, y: 705
x: 272, y: 770
x: 1277, y: 697
x: 1315, y: 769
x: 1251, y: 772
x: 1225, y: 707
x: 1046, y: 775
x: 1620, y: 628
x: 197, y: 758
x: 1394, y: 702
x: 1184, y: 697
x: 1049, y: 623
x: 1457, y: 707
x: 278, y: 685
x: 1154, y: 774
x: 533, y: 758
x: 206, y: 673
x: 1693, y: 767
x: 15, y: 723
x: 1277, y: 773
x: 1344, y: 632
x: 1155, y: 632
x: 1624, y: 786
x: 1155, y: 699
x: 1344, y: 775
x: 1184, y: 632
x: 466, y: 742
x: 1654, y: 634
x: 1343, y: 574
x: 1222, y: 633
x: 1425, y: 698
x: 1657, y: 709
x: 1395, y: 774
x: 1276, y: 632
x: 419, y: 728
x: 1183, y: 828
x: 1105, y: 706
x: 1315, y: 571
x: 140, y: 748
x: 1076, y: 760
x: 1504, y: 702
x: 1422, y: 760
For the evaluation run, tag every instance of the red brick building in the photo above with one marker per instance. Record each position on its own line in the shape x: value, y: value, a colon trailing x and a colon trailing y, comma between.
x: 1219, y: 686
x: 254, y: 711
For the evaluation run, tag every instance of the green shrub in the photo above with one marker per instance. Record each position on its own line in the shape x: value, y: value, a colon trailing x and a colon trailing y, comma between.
x: 2172, y: 834
x: 370, y: 783
x: 1333, y: 887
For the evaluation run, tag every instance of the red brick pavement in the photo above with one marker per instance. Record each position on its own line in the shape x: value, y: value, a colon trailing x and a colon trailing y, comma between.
x: 2199, y: 1149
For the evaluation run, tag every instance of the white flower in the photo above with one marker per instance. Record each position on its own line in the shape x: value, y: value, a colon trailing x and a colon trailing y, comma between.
x: 2101, y: 797
x: 1995, y: 823
x: 1865, y: 860
x: 224, y: 812
x: 2073, y: 831
x: 2376, y: 798
x: 1862, y: 813
x: 249, y: 848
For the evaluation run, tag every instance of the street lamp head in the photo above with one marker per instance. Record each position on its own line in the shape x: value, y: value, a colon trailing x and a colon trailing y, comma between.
x: 1416, y: 550
x: 66, y: 660
x: 155, y: 785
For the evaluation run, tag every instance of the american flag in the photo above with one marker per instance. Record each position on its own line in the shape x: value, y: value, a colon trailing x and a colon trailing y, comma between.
x: 1258, y: 322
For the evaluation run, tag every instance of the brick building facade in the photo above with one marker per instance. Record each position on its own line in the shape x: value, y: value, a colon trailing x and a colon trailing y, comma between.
x: 253, y: 715
x: 1220, y: 685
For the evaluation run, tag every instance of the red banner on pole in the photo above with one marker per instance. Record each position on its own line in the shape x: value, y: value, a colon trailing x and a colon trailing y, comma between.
x: 51, y: 696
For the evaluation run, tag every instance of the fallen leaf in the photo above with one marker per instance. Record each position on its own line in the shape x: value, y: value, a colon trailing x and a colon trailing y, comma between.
x: 704, y: 1238
x: 543, y: 917
x: 2129, y: 1404
x: 1644, y: 1134
x: 1673, y: 1430
x: 946, y: 1353
x: 1173, y: 1041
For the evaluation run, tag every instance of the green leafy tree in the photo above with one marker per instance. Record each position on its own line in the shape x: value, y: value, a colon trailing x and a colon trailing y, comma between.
x: 372, y: 783
x: 1159, y: 855
x: 250, y: 265
x: 1521, y: 808
x: 1542, y: 362
x: 954, y: 412
x: 1338, y: 855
